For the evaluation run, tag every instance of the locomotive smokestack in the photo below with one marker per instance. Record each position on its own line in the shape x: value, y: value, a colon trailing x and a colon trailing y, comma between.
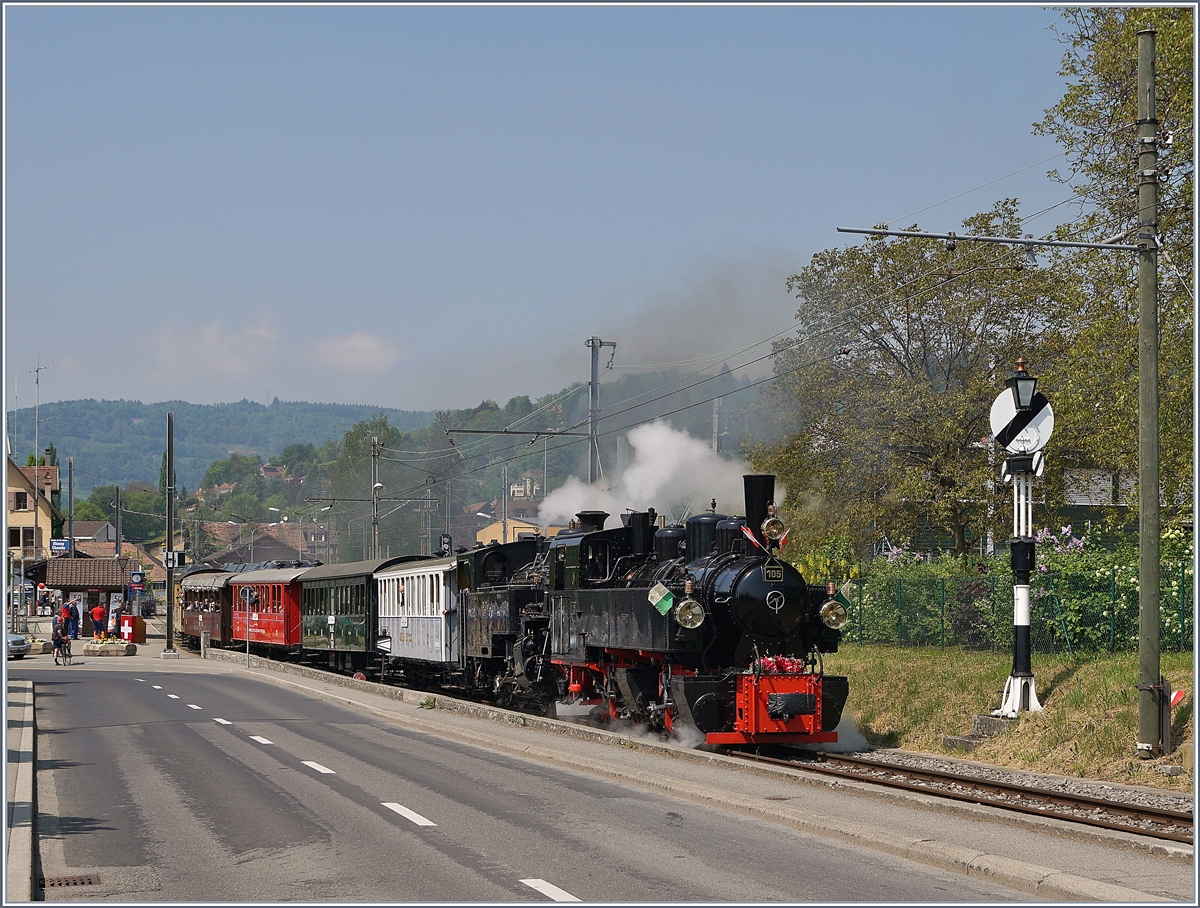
x: 592, y: 521
x: 760, y: 489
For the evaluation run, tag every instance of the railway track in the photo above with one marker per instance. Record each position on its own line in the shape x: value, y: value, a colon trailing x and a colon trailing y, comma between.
x: 1140, y: 819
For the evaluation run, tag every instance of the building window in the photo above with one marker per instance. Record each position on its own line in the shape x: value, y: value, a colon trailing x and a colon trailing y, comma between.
x: 20, y: 501
x: 14, y: 537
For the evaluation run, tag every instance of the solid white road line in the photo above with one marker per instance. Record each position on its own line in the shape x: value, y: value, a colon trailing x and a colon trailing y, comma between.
x: 222, y: 721
x: 260, y: 739
x: 318, y: 767
x: 408, y: 814
x: 194, y: 706
x: 173, y: 696
x: 550, y: 890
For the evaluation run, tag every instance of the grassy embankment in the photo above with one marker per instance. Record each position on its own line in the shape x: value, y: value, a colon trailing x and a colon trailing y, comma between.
x: 911, y: 698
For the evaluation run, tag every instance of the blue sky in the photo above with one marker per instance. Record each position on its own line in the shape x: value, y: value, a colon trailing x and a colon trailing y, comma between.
x: 426, y: 207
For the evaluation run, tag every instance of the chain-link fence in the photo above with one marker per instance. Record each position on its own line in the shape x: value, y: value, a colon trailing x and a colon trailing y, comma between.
x: 1068, y: 613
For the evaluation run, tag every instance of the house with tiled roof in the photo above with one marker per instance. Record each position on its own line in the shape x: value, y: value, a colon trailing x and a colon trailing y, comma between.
x: 95, y: 531
x: 254, y: 549
x: 31, y: 510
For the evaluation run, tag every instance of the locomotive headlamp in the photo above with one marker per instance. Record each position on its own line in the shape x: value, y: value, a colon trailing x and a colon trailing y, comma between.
x: 690, y: 614
x: 773, y: 529
x: 833, y: 615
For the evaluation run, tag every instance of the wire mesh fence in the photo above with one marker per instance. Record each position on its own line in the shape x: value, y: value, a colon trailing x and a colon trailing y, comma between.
x: 1068, y: 613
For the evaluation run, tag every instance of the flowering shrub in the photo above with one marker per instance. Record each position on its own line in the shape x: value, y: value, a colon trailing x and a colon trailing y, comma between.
x: 1095, y: 593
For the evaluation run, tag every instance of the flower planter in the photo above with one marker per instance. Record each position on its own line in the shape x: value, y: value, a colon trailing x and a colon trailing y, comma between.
x: 110, y: 649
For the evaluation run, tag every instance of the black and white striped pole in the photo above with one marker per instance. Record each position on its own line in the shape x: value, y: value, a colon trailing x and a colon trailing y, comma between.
x: 1022, y: 421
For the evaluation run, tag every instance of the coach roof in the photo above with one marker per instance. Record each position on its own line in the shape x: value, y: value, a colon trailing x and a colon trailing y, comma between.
x: 355, y: 568
x: 269, y: 575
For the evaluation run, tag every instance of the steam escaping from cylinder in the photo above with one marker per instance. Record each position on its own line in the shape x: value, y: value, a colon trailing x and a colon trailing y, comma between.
x: 669, y: 471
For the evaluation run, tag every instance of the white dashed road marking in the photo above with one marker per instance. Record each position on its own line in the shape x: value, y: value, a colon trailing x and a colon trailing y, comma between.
x: 318, y: 767
x: 194, y: 706
x: 408, y: 814
x: 550, y: 890
x: 173, y: 696
x: 157, y: 686
x: 222, y: 721
x: 259, y: 739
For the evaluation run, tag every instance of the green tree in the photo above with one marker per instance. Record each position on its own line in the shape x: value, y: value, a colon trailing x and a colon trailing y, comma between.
x: 1094, y: 372
x: 236, y: 469
x: 887, y: 385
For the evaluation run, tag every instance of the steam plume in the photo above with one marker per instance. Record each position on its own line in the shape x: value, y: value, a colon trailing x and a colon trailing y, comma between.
x: 669, y: 471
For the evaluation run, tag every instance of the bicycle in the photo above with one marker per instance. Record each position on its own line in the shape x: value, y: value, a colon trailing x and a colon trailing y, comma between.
x: 64, y: 651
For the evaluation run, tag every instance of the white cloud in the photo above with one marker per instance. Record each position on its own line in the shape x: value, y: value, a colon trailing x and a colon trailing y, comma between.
x: 358, y: 352
x: 213, y: 351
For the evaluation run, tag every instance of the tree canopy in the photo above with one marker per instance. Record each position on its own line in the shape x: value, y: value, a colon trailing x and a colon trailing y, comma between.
x: 1094, y: 370
x: 888, y: 382
x: 882, y: 396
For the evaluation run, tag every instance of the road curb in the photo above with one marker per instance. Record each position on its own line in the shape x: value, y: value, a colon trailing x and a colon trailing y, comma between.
x: 22, y: 808
x: 1043, y: 881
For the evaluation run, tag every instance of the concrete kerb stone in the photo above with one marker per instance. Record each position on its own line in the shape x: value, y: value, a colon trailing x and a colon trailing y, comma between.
x: 1029, y: 877
x: 23, y: 807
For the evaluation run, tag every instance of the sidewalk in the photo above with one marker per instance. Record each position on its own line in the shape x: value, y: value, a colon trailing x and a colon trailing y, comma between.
x: 21, y: 792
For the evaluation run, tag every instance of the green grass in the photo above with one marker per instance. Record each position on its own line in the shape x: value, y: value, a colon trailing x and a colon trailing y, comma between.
x: 912, y: 697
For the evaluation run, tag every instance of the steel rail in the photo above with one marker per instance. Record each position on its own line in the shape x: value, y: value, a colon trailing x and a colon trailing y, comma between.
x: 985, y: 791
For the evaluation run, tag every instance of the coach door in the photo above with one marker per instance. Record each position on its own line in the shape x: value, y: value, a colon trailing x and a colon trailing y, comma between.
x: 450, y: 624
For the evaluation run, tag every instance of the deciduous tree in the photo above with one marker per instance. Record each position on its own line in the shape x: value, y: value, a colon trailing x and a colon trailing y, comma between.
x: 901, y: 347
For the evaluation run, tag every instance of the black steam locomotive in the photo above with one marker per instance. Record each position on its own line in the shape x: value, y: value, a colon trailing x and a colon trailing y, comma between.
x: 700, y: 625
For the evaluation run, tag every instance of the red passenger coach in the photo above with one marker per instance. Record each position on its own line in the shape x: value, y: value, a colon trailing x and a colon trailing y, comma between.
x: 266, y: 604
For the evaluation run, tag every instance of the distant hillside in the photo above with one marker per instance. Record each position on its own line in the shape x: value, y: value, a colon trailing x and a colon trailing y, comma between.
x: 123, y: 441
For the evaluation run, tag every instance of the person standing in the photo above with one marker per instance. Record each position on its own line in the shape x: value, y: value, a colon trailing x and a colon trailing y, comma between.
x: 98, y: 614
x: 73, y: 616
x: 64, y: 616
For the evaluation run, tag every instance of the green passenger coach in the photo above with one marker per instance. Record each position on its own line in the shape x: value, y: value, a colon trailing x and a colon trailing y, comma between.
x: 339, y: 608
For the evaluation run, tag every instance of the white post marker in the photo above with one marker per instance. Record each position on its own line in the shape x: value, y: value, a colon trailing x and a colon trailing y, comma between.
x: 1023, y: 433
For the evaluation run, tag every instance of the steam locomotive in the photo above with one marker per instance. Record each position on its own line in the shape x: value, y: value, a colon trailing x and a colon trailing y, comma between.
x: 699, y: 627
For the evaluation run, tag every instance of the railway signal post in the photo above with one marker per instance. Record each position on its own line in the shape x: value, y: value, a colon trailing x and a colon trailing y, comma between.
x: 1022, y: 421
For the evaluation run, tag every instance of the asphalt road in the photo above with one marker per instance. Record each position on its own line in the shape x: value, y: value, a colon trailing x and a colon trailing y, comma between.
x: 217, y: 787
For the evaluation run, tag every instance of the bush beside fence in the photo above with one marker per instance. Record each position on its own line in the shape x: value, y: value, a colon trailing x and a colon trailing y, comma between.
x: 1068, y: 612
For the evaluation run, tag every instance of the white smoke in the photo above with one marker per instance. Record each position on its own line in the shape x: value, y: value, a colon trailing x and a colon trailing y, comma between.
x: 670, y: 471
x: 850, y: 739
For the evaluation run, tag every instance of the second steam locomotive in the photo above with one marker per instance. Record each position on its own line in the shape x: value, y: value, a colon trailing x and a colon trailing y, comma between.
x: 699, y: 630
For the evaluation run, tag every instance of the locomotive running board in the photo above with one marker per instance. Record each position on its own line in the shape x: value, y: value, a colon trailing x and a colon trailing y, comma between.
x: 741, y: 737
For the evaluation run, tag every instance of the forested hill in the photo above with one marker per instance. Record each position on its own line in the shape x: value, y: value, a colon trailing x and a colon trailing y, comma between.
x: 122, y: 441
